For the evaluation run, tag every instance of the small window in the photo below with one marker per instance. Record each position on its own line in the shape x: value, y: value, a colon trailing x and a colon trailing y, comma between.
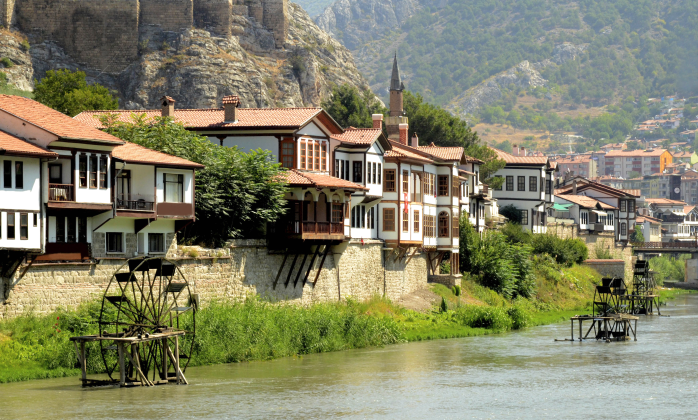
x: 455, y: 225
x: 316, y: 151
x: 174, y: 188
x: 23, y: 226
x: 7, y: 171
x: 623, y: 229
x: 72, y: 229
x: 524, y: 217
x: 36, y: 219
x: 443, y: 225
x: 379, y: 174
x: 369, y: 172
x: 405, y: 181
x: 389, y: 180
x: 115, y: 242
x: 631, y: 206
x: 336, y: 166
x: 82, y: 164
x: 371, y: 218
x: 521, y: 183
x: 548, y: 186
x: 510, y: 183
x: 358, y: 171
x: 622, y: 205
x: 532, y: 184
x: 93, y: 171
x: 156, y: 242
x: 323, y: 156
x: 103, y: 172
x: 443, y: 186
x: 10, y: 226
x: 60, y: 229
x: 55, y: 174
x: 375, y: 173
x: 287, y: 154
x: 389, y: 220
x: 19, y: 175
x: 303, y: 154
x: 416, y: 221
x: 405, y: 221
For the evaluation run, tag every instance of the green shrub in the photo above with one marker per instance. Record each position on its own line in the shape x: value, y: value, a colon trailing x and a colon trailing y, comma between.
x: 494, y: 318
x: 25, y: 46
x: 516, y: 233
x: 444, y: 305
x: 6, y: 62
x: 456, y: 290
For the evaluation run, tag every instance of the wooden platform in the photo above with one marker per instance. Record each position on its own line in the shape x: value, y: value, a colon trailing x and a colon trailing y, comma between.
x: 123, y: 344
x: 613, y: 327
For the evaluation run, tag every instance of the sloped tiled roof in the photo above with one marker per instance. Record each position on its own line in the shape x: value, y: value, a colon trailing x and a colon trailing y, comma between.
x: 294, y: 177
x: 399, y: 150
x: 134, y: 153
x: 634, y: 153
x: 636, y: 193
x: 364, y: 136
x: 445, y: 153
x: 664, y: 201
x: 585, y: 201
x: 652, y: 220
x: 12, y: 145
x: 687, y: 209
x: 215, y: 117
x: 53, y: 121
x: 527, y: 160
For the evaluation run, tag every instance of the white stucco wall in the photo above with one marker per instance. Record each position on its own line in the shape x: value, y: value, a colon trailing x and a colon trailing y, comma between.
x: 27, y: 198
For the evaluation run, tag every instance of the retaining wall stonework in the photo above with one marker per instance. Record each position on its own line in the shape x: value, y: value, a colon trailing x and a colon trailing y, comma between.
x: 355, y: 270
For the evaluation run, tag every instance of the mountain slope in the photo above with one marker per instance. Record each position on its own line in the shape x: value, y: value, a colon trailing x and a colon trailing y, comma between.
x: 314, y: 7
x: 197, y: 67
x: 631, y: 47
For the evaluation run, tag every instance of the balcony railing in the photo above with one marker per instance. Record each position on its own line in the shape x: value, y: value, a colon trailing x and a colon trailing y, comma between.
x: 135, y: 202
x: 61, y: 192
x: 319, y: 228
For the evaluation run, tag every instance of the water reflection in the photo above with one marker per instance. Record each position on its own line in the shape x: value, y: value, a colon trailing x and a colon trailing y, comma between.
x: 519, y: 375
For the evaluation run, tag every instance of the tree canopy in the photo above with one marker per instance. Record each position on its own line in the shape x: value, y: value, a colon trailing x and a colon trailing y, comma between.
x: 69, y: 93
x: 352, y: 108
x: 236, y: 193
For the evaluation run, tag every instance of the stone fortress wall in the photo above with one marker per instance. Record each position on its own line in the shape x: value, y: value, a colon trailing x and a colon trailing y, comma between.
x: 104, y: 34
x: 357, y: 270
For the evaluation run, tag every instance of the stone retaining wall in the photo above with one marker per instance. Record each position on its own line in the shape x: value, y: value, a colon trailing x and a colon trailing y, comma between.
x: 246, y: 268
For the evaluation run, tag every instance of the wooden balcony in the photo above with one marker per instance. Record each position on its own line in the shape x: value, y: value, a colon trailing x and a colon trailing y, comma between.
x: 61, y: 192
x: 134, y: 202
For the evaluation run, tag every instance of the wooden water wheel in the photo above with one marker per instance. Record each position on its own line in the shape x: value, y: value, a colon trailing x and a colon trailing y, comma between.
x: 154, y: 303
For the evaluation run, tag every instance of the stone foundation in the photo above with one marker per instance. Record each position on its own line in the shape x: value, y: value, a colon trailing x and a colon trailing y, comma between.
x: 608, y: 268
x: 351, y: 270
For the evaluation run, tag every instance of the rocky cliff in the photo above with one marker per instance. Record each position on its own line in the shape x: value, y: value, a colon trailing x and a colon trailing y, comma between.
x: 198, y: 66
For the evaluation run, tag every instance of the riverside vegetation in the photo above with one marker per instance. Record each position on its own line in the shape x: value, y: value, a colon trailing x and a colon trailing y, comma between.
x: 516, y: 280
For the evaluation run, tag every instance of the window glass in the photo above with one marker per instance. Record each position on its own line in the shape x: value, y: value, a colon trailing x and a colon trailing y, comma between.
x: 405, y: 181
x: 405, y: 221
x: 521, y: 183
x: 93, y: 171
x: 156, y: 242
x: 389, y: 180
x: 23, y: 226
x: 443, y: 185
x: 115, y: 242
x: 323, y: 156
x: 416, y: 221
x: 174, y: 188
x: 19, y: 175
x: 303, y: 154
x: 510, y: 183
x: 532, y: 183
x: 443, y: 225
x: 379, y: 174
x: 524, y: 217
x: 7, y: 174
x: 72, y: 228
x: 55, y: 174
x: 82, y: 164
x: 358, y: 169
x: 60, y: 229
x: 287, y: 149
x: 102, y: 172
x: 10, y: 226
x: 388, y: 220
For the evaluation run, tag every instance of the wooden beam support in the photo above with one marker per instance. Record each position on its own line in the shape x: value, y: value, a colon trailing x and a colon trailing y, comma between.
x: 283, y: 263
x: 290, y: 270
x: 322, y: 262
x: 310, y: 266
x: 300, y: 269
x: 412, y: 255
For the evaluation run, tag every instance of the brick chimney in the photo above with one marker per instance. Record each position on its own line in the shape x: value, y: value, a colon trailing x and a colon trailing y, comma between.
x: 574, y: 187
x: 377, y: 121
x: 515, y: 150
x: 522, y: 152
x: 403, y: 133
x: 167, y: 106
x: 415, y: 141
x: 230, y: 104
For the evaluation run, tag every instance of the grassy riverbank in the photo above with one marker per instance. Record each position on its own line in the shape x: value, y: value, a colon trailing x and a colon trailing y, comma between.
x: 35, y: 347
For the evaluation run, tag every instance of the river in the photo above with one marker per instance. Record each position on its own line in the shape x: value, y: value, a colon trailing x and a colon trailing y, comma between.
x: 522, y: 374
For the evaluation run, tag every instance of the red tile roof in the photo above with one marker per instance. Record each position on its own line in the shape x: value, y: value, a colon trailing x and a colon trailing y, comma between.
x: 359, y: 135
x: 652, y: 220
x: 634, y: 153
x: 214, y: 117
x: 399, y: 150
x: 445, y: 153
x: 53, y: 121
x: 687, y: 209
x: 300, y: 178
x: 528, y: 160
x: 133, y: 153
x: 664, y: 201
x: 16, y: 146
x: 585, y: 201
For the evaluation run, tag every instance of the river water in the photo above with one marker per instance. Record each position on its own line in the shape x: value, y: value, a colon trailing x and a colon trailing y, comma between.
x: 523, y: 374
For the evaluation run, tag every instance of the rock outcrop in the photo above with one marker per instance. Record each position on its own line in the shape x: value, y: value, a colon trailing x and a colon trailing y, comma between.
x: 198, y: 67
x: 355, y: 22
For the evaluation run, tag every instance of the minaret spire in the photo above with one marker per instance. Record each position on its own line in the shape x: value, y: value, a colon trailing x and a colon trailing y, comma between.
x: 395, y: 81
x: 397, y: 114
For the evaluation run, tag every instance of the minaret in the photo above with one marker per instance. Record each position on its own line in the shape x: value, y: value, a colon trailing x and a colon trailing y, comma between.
x: 397, y: 114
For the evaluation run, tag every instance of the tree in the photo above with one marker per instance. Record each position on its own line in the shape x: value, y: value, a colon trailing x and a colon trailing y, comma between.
x: 69, y: 93
x: 237, y: 193
x: 434, y: 124
x: 634, y: 174
x: 637, y: 235
x: 351, y: 108
x: 512, y: 213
